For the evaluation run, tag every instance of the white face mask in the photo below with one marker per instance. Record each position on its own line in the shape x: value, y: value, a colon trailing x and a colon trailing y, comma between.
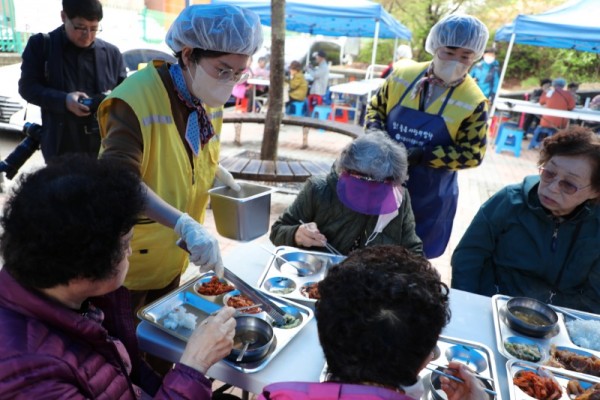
x: 449, y: 70
x: 489, y: 59
x: 211, y: 91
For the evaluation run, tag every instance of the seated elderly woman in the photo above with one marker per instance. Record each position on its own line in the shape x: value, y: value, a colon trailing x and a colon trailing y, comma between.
x: 392, y: 306
x: 65, y: 316
x: 540, y: 238
x: 361, y: 202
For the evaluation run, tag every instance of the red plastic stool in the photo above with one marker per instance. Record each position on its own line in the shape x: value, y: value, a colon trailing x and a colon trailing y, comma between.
x: 241, y: 105
x: 341, y: 115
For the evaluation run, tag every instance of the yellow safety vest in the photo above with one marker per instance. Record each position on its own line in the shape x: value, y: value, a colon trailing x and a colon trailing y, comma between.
x: 465, y: 98
x: 166, y: 169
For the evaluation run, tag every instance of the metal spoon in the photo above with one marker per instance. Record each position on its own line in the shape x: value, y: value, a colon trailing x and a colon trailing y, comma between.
x: 241, y: 355
x: 294, y: 264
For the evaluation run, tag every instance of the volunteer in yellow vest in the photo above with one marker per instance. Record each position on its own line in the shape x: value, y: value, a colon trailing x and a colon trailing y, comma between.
x: 439, y: 113
x: 165, y: 122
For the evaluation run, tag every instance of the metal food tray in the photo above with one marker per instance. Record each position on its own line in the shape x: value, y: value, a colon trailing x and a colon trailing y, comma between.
x: 558, y: 336
x: 276, y: 279
x: 477, y: 356
x: 201, y: 306
x: 562, y: 376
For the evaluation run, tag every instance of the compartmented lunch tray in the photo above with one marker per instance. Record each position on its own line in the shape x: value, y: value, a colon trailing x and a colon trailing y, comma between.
x: 284, y: 281
x: 477, y: 356
x: 201, y: 306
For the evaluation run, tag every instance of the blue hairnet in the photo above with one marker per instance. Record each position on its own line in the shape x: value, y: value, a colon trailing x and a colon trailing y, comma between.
x: 559, y: 82
x: 458, y: 31
x: 224, y: 28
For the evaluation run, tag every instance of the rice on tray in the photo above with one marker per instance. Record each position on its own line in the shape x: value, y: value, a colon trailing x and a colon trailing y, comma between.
x: 585, y: 333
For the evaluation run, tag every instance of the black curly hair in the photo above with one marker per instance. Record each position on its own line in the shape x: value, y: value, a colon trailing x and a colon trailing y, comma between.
x: 67, y: 220
x: 575, y: 141
x: 380, y: 314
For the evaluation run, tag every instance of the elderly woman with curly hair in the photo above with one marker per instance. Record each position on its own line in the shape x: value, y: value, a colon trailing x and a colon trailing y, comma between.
x: 361, y: 202
x: 540, y: 238
x: 66, y: 321
x: 379, y: 318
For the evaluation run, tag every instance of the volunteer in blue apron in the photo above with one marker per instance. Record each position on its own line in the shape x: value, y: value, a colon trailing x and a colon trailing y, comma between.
x: 439, y: 113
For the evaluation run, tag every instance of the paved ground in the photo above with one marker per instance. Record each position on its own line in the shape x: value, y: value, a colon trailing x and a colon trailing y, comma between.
x: 476, y: 185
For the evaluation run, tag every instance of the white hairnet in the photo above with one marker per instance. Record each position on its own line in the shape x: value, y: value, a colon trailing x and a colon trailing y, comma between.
x: 376, y: 155
x: 458, y: 31
x: 403, y: 51
x: 224, y: 28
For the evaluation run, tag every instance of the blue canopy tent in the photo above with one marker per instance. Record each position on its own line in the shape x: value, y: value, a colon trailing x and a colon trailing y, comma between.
x: 574, y: 25
x: 352, y: 18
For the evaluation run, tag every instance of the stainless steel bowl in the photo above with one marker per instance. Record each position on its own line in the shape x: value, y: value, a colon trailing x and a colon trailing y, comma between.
x: 530, y: 317
x: 256, y: 331
x: 296, y: 260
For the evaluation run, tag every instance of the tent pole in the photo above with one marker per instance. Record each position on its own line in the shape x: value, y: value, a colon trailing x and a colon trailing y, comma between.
x: 504, y: 67
x: 373, y: 56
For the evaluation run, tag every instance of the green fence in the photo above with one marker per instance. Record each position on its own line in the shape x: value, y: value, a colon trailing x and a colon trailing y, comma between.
x: 11, y: 41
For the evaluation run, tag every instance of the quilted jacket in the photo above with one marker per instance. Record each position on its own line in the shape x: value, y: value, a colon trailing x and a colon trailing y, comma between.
x: 48, y: 351
x: 344, y: 228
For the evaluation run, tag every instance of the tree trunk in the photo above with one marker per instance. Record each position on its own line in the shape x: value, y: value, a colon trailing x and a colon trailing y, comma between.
x: 275, y: 110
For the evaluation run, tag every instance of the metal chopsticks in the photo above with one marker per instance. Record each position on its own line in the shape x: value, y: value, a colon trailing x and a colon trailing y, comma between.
x: 257, y: 296
x: 454, y: 378
x: 327, y: 245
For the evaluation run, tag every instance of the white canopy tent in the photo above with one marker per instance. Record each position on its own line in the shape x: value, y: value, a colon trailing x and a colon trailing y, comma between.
x: 574, y: 25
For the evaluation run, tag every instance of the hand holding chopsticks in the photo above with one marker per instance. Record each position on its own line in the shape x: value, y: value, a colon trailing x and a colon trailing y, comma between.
x: 308, y: 235
x: 470, y: 383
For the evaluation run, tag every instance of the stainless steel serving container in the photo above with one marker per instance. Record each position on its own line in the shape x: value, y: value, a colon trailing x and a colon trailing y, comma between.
x: 243, y: 215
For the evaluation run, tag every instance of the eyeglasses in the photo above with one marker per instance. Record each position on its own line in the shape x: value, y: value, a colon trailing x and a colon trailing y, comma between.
x: 362, y: 177
x: 228, y: 75
x: 86, y: 30
x: 565, y: 187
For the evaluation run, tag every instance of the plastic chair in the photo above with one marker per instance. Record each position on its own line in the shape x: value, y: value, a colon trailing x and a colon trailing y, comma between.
x: 321, y: 112
x: 241, y: 105
x: 297, y: 108
x: 314, y: 100
x: 341, y: 115
x: 497, y: 121
x: 539, y: 135
x: 510, y: 137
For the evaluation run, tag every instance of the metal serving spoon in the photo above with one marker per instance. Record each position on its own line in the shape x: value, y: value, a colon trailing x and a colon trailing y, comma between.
x: 297, y: 265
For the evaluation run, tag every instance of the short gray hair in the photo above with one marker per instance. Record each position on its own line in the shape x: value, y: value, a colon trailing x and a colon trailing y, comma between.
x: 376, y: 155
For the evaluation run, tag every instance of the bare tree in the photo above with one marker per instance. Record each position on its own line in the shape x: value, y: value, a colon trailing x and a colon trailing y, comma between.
x: 275, y: 111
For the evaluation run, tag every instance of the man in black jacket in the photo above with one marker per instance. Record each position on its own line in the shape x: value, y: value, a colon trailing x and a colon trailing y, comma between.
x: 68, y: 72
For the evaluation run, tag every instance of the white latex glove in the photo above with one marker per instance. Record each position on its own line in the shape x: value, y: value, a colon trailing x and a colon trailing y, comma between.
x: 202, y: 246
x: 224, y: 176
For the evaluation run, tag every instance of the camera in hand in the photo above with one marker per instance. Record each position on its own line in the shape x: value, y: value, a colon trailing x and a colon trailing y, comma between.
x: 15, y: 160
x: 86, y: 101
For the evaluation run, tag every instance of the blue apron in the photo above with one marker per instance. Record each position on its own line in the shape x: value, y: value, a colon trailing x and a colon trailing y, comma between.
x: 433, y: 191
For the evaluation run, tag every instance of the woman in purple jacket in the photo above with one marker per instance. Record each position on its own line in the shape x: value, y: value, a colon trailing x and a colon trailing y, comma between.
x: 66, y: 320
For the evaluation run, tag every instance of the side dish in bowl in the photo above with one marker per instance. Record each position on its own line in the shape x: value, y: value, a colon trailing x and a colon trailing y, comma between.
x: 530, y: 317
